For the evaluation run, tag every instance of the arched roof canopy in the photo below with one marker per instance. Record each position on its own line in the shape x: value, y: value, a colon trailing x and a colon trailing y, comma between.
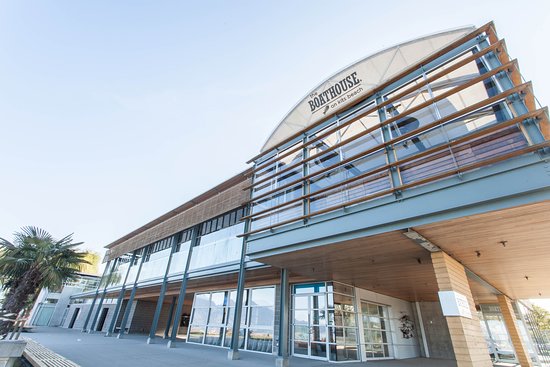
x: 356, y: 82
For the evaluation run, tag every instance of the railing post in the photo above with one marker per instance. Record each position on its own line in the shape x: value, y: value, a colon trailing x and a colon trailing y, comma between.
x: 306, y: 186
x: 95, y: 298
x: 120, y: 297
x: 390, y: 152
x: 534, y: 134
x: 96, y: 315
x: 183, y: 288
x: 160, y: 300
x: 132, y: 295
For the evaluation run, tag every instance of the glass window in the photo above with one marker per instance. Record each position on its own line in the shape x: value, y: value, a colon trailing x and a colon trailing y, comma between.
x: 263, y: 296
x: 212, y: 319
x: 375, y: 333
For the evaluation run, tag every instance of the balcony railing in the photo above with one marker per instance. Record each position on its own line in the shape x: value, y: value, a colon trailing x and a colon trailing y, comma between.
x: 468, y: 112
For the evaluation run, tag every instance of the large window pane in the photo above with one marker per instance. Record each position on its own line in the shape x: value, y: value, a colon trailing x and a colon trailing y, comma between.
x: 263, y: 296
x: 260, y: 340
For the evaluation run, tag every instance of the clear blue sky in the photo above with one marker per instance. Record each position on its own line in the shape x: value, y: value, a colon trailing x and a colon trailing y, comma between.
x: 114, y: 112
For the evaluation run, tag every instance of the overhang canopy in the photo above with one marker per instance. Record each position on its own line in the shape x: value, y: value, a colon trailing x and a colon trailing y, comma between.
x: 357, y: 81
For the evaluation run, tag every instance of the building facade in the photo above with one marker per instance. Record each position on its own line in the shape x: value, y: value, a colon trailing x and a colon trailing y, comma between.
x: 52, y: 305
x: 399, y: 210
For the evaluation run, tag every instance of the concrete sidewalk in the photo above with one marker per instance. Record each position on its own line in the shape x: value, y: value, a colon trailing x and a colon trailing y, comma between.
x: 92, y: 350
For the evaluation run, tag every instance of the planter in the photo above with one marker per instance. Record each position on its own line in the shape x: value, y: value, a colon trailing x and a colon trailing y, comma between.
x: 10, y: 351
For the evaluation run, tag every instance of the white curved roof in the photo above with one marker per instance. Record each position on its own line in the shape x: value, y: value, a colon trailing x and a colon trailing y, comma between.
x: 358, y: 80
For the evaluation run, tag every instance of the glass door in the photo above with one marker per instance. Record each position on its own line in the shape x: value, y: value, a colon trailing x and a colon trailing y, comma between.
x: 375, y: 330
x: 309, y: 321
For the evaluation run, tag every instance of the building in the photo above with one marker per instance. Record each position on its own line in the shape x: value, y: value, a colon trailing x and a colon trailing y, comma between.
x: 399, y: 210
x: 52, y: 305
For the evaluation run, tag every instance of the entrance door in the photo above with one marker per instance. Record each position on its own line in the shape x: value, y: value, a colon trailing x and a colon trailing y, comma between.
x: 102, y: 318
x: 310, y: 321
x: 73, y: 319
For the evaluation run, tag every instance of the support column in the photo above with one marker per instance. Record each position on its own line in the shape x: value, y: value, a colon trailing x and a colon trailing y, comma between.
x: 183, y: 289
x: 170, y: 317
x: 95, y: 298
x: 160, y: 301
x: 467, y: 338
x: 511, y: 324
x: 233, y: 353
x: 96, y: 315
x: 120, y: 297
x: 284, y: 306
x: 132, y: 295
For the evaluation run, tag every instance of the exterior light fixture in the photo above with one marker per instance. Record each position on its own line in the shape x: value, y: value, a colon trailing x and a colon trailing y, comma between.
x: 421, y: 240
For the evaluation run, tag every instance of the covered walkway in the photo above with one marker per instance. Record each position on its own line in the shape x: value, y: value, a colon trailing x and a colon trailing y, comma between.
x: 91, y: 350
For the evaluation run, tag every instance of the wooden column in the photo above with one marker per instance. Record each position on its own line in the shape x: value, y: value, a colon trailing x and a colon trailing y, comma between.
x: 467, y: 338
x: 512, y: 326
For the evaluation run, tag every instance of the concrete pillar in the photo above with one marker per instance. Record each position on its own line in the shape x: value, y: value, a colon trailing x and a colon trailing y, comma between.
x: 467, y: 338
x: 511, y: 324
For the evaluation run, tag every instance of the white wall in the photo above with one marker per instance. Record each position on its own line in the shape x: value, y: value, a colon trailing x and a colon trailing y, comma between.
x: 403, y: 348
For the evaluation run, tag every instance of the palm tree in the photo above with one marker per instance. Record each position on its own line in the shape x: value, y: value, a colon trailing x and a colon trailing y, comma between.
x: 35, y: 260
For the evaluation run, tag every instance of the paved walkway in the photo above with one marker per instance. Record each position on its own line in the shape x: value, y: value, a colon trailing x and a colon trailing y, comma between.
x: 92, y: 350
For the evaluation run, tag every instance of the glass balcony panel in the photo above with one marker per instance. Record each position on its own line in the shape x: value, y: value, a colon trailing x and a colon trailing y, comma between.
x: 330, y: 178
x: 218, y: 247
x: 362, y: 144
x: 289, y: 176
x: 412, y: 121
x: 266, y: 171
x: 117, y: 278
x: 133, y: 271
x: 470, y: 96
x: 476, y: 150
x: 281, y: 197
x: 328, y: 199
x: 263, y: 204
x: 460, y: 76
x: 156, y: 266
x: 325, y: 160
x: 264, y: 187
x: 368, y: 186
x: 292, y: 211
x: 179, y: 259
